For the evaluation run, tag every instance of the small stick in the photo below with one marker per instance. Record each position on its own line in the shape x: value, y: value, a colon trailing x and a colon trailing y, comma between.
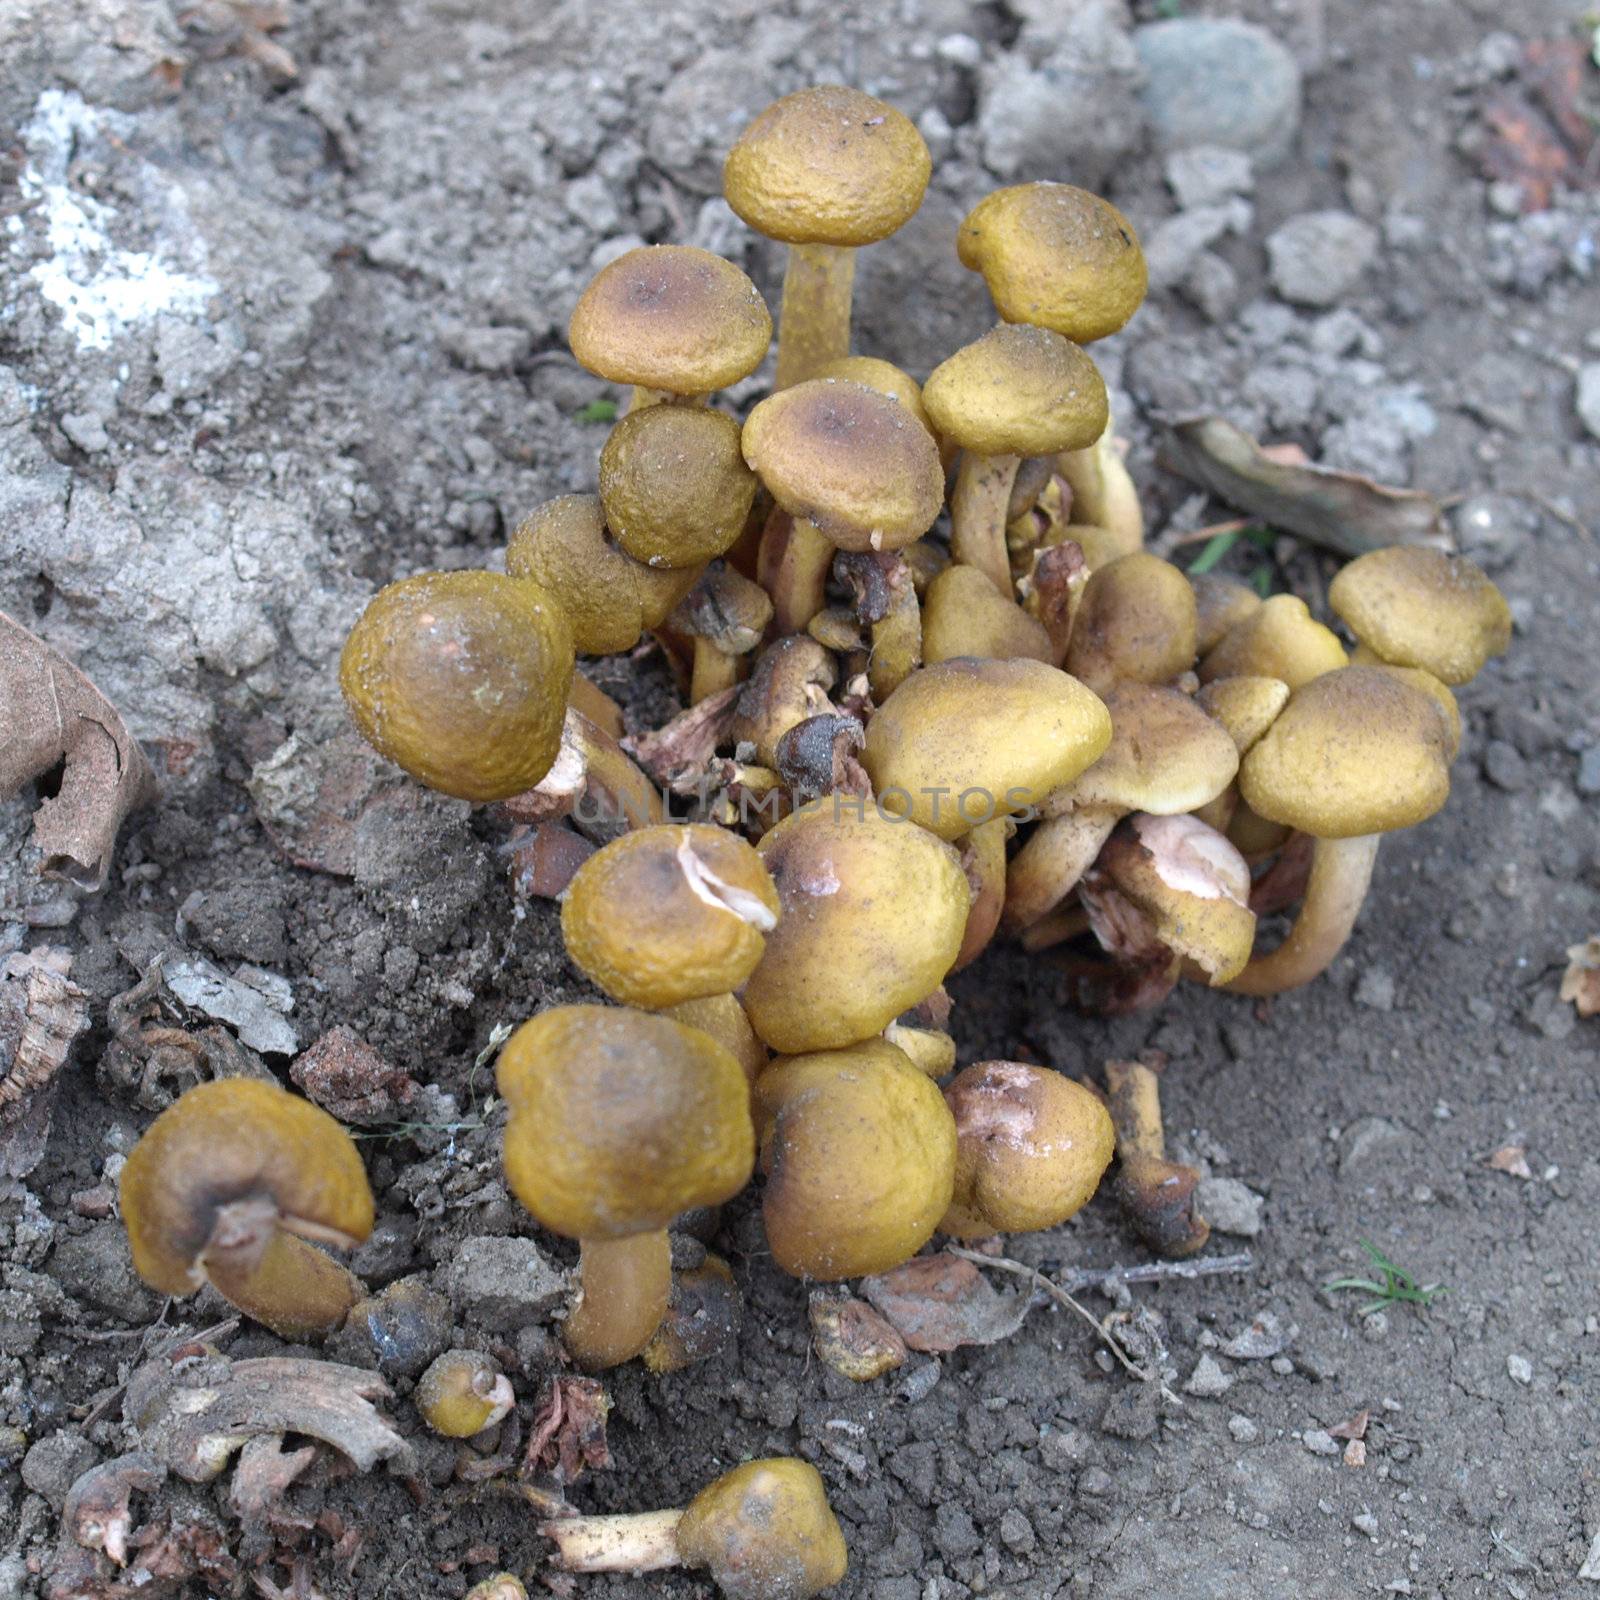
x: 1151, y: 1271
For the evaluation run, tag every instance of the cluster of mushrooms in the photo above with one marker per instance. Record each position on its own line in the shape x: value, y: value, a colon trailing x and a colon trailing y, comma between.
x: 938, y: 694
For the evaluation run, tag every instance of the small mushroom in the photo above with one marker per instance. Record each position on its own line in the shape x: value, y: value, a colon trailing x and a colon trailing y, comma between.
x: 858, y: 1150
x: 1246, y: 707
x: 966, y: 615
x: 226, y: 1186
x: 1136, y: 622
x: 619, y: 1121
x: 461, y: 678
x: 724, y: 1018
x: 1158, y: 1195
x: 673, y: 321
x: 1031, y: 1148
x: 886, y: 600
x: 788, y: 685
x: 1220, y: 605
x: 825, y: 171
x: 726, y: 615
x: 668, y: 914
x: 1104, y: 497
x: 462, y: 1393
x: 763, y: 1531
x: 984, y: 858
x: 592, y: 778
x: 1277, y: 639
x: 1017, y: 392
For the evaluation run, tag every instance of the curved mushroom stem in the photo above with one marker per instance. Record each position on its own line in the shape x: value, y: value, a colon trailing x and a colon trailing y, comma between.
x: 643, y: 397
x: 1047, y: 868
x: 983, y: 858
x: 1103, y: 493
x: 1341, y: 869
x: 1157, y: 1194
x: 623, y: 1289
x: 978, y: 507
x: 814, y: 324
x: 1056, y: 927
x: 609, y: 769
x: 714, y: 670
x: 290, y: 1286
x: 644, y: 1542
x: 793, y: 566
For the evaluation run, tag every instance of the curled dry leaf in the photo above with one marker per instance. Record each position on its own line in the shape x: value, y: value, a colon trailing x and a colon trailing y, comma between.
x: 1355, y: 1428
x: 1580, y: 983
x: 1341, y: 511
x: 195, y: 1414
x: 98, y: 1512
x: 41, y: 1012
x: 55, y: 718
x: 853, y: 1339
x: 680, y: 754
x: 569, y: 1432
x: 941, y: 1302
x: 263, y: 1474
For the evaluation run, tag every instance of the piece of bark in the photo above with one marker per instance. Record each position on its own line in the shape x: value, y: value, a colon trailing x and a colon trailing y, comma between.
x: 41, y: 1012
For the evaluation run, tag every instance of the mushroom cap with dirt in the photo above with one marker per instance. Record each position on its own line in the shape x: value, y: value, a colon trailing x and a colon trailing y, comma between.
x: 461, y: 678
x: 668, y: 914
x: 462, y: 1393
x: 1415, y: 606
x: 1056, y: 256
x: 1031, y: 1149
x: 671, y: 318
x: 859, y: 1149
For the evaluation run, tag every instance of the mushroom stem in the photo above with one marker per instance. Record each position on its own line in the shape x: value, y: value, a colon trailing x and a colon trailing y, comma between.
x: 609, y: 769
x: 291, y: 1287
x: 814, y: 324
x: 1047, y: 868
x: 1157, y: 1194
x: 1135, y: 1094
x: 623, y: 1289
x: 714, y: 670
x: 642, y: 397
x: 1341, y: 869
x: 793, y: 567
x: 1065, y: 922
x: 1103, y: 493
x: 978, y: 506
x: 644, y: 1542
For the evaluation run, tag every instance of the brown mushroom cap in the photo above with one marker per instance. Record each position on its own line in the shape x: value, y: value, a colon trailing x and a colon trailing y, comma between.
x: 827, y: 165
x: 1245, y: 706
x: 1031, y: 1148
x: 1419, y: 607
x: 1006, y: 733
x: 872, y: 920
x: 1220, y: 603
x: 965, y: 615
x: 668, y: 914
x: 461, y: 678
x: 621, y: 1120
x: 462, y: 1393
x: 1136, y: 621
x: 765, y: 1532
x: 232, y: 1141
x: 1057, y: 257
x: 885, y: 377
x: 1421, y: 679
x: 674, y: 486
x: 1019, y: 391
x: 1277, y: 639
x: 848, y: 459
x: 1354, y: 752
x: 859, y: 1152
x: 671, y: 317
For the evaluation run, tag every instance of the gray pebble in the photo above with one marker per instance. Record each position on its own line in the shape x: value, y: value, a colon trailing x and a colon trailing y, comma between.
x: 87, y: 431
x: 1375, y: 989
x: 1367, y: 1137
x: 96, y: 1268
x: 1589, y: 771
x: 1317, y: 258
x: 1519, y: 1369
x: 56, y: 1462
x: 1243, y: 1430
x: 1211, y: 286
x: 502, y: 1283
x: 489, y: 349
x: 1365, y: 1522
x: 1208, y: 1381
x: 1587, y: 397
x: 1207, y: 175
x: 1016, y: 1532
x: 1229, y: 1206
x: 1320, y: 1442
x: 1504, y: 766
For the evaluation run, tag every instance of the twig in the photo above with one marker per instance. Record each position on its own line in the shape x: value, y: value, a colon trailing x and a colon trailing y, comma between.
x: 1151, y: 1271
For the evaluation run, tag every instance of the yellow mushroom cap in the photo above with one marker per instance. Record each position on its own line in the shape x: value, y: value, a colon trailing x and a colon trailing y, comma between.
x: 461, y: 678
x: 1136, y: 621
x: 621, y: 1120
x: 827, y: 165
x: 237, y: 1139
x: 965, y: 615
x: 1018, y: 391
x: 674, y: 485
x: 765, y: 1531
x: 1246, y: 706
x: 859, y: 1152
x: 462, y: 1393
x: 1419, y: 607
x: 1031, y: 1148
x: 671, y: 317
x: 1165, y: 754
x: 1355, y: 751
x: 667, y: 914
x: 1002, y: 734
x: 1278, y: 639
x: 885, y: 377
x: 849, y: 459
x: 1418, y: 678
x: 873, y: 916
x: 1220, y: 603
x: 1057, y: 257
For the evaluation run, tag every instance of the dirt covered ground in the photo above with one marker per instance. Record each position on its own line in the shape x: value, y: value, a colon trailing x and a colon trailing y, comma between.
x: 284, y: 292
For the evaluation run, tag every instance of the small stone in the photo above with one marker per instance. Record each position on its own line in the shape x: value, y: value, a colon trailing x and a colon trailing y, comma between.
x: 1282, y: 1365
x: 489, y: 349
x: 56, y: 1462
x: 954, y: 1532
x: 1131, y: 1413
x: 1207, y: 175
x: 1315, y: 259
x: 1368, y: 1137
x: 1211, y: 286
x: 86, y: 430
x: 1243, y: 1430
x: 960, y: 50
x: 1016, y: 1532
x: 1208, y: 1381
x: 1375, y: 989
x: 190, y: 359
x: 400, y: 1330
x: 1504, y: 766
x: 344, y: 1075
x: 1364, y: 1522
x: 96, y: 1268
x: 1588, y: 396
x: 502, y: 1283
x: 1172, y: 245
x: 1520, y: 1369
x: 1375, y: 1327
x: 1219, y: 82
x: 1265, y: 1338
x: 1229, y: 1206
x: 1589, y: 770
x: 1096, y: 1483
x: 1320, y: 1442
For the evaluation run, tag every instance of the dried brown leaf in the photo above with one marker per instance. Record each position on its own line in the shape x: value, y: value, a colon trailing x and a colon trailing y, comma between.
x: 97, y: 1513
x: 54, y: 717
x: 1511, y: 1159
x: 1340, y: 510
x: 941, y: 1302
x: 569, y: 1432
x: 344, y: 1075
x: 264, y: 1473
x: 41, y: 1012
x: 1580, y: 983
x: 1355, y: 1428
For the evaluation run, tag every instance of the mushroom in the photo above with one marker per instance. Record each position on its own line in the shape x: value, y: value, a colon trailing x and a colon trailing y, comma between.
x: 725, y: 1019
x: 788, y: 685
x: 1018, y: 391
x: 668, y: 914
x: 609, y: 598
x: 825, y: 171
x: 886, y: 600
x: 1052, y: 592
x: 873, y: 914
x: 1165, y: 756
x: 965, y: 741
x: 1057, y: 257
x: 1136, y: 622
x: 592, y: 778
x: 1031, y: 1148
x: 1356, y: 753
x: 228, y: 1184
x: 1220, y: 605
x: 850, y: 469
x: 1104, y: 496
x: 858, y: 1149
x: 1246, y: 707
x: 673, y: 321
x: 704, y: 1310
x: 726, y: 616
x: 674, y: 486
x: 462, y: 1393
x: 1414, y: 606
x: 887, y: 379
x: 619, y: 1121
x: 1277, y: 639
x: 966, y: 616
x: 1157, y: 1194
x: 764, y: 1531
x: 461, y: 678
x: 984, y: 857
